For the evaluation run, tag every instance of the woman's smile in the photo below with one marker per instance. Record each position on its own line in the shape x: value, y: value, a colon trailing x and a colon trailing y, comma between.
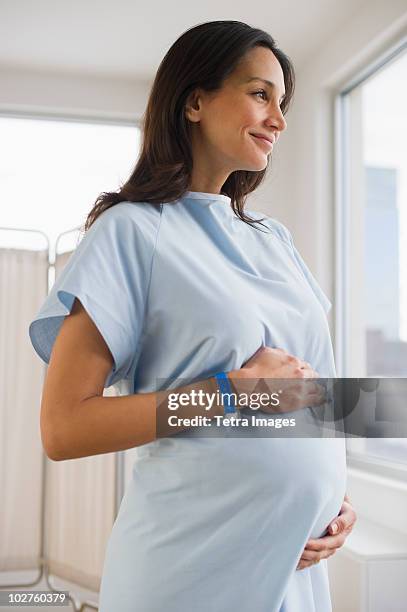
x: 263, y: 142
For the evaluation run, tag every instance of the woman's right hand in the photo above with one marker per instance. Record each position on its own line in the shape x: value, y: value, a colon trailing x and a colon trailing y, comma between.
x: 274, y: 370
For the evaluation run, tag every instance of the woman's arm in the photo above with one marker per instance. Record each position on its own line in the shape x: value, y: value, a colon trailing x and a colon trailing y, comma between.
x: 78, y: 421
x: 106, y: 424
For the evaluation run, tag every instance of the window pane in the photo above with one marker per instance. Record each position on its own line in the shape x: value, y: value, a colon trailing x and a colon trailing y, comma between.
x: 52, y: 172
x: 384, y: 226
x: 384, y: 103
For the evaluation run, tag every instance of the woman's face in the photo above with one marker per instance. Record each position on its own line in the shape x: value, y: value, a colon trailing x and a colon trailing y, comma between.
x: 224, y: 123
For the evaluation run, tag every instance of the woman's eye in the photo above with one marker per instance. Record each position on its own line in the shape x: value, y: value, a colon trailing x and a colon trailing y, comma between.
x: 261, y: 92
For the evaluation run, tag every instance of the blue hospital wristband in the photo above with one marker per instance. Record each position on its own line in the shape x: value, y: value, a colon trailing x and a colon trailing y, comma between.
x: 225, y: 387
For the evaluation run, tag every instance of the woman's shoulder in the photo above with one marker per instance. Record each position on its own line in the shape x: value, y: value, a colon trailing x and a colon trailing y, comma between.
x: 276, y: 227
x: 136, y: 212
x: 128, y: 218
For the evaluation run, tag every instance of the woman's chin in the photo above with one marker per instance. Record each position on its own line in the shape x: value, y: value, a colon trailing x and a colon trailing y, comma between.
x: 256, y: 166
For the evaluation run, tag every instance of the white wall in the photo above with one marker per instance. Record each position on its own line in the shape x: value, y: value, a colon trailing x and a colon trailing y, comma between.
x: 72, y: 95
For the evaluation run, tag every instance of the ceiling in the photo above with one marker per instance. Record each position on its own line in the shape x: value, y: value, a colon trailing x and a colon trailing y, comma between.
x: 125, y: 38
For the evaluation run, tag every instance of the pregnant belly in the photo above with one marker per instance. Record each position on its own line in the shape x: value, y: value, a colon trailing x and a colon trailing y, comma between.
x: 220, y: 516
x: 299, y: 483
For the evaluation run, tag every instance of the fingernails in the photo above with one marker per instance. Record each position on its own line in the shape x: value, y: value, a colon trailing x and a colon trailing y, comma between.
x: 334, y: 527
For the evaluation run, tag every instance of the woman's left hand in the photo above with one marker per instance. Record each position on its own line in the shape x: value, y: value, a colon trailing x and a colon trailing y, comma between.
x: 338, y: 531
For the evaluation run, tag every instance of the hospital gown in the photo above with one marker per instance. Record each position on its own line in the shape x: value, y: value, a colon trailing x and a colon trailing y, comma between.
x: 181, y: 291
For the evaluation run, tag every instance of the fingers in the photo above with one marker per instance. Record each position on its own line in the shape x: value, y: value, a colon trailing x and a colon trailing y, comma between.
x: 304, y: 364
x: 302, y: 371
x: 317, y: 395
x: 314, y: 555
x: 312, y: 392
x: 307, y: 367
x: 345, y: 521
x: 323, y: 548
x: 316, y: 558
x: 320, y: 544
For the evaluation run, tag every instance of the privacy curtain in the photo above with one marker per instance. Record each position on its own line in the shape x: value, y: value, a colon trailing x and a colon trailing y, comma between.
x: 77, y: 499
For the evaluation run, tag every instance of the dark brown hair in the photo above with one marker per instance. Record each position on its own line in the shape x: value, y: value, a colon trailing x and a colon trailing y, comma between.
x: 203, y: 56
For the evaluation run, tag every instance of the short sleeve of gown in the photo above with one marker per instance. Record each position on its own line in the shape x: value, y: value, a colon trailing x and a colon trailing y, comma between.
x: 109, y: 273
x: 322, y: 298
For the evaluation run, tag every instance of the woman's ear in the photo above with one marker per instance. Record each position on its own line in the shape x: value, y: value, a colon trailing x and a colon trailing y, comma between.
x: 193, y: 106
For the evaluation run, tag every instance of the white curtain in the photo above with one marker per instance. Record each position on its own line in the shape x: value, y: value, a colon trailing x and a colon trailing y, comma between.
x: 80, y: 511
x: 78, y: 497
x: 23, y: 284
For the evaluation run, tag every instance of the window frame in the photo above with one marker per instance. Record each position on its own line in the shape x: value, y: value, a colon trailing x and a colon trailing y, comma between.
x: 357, y: 456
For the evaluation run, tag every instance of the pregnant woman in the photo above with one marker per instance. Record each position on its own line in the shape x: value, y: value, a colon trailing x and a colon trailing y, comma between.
x: 173, y: 283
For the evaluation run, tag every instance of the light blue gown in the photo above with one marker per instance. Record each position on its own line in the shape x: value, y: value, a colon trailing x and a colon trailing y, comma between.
x: 183, y: 290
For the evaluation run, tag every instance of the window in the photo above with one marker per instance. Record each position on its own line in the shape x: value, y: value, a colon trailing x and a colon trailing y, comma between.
x: 52, y: 171
x: 372, y: 234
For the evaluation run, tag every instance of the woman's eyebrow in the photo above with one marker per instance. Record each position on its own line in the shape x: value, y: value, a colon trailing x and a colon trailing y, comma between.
x: 269, y: 83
